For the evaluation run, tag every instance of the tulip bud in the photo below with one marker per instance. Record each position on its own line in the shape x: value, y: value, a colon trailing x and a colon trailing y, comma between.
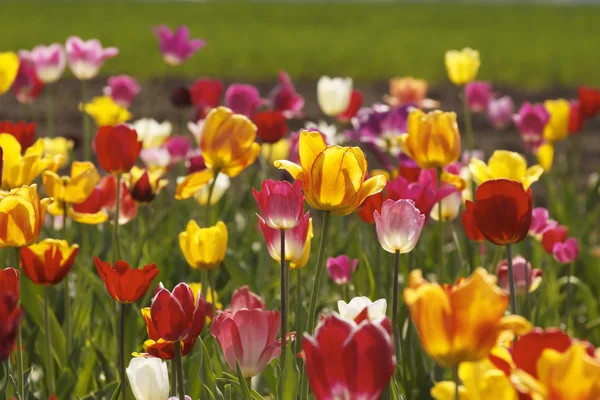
x: 341, y: 268
x: 243, y: 99
x: 49, y: 261
x: 281, y: 204
x: 531, y: 121
x: 334, y: 95
x: 148, y: 378
x: 126, y: 140
x: 589, y: 101
x: 178, y: 148
x: 540, y: 222
x: 524, y: 275
x: 284, y: 97
x: 204, y: 248
x: 144, y: 185
x: 552, y: 236
x: 122, y: 89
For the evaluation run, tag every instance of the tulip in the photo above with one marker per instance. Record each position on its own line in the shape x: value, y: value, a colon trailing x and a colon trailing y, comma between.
x: 195, y: 162
x: 204, y: 248
x: 433, y: 140
x: 9, y: 282
x: 23, y: 131
x: 276, y: 151
x: 399, y: 225
x: 26, y: 86
x: 576, y: 119
x: 351, y: 310
x: 462, y: 66
x: 334, y: 95
x: 341, y: 268
x: 21, y: 216
x: 211, y: 301
x: 284, y: 97
x: 566, y: 252
x: 451, y: 205
x: 271, y: 126
x: 206, y: 94
x: 152, y: 133
x: 127, y: 208
x: 478, y: 95
x: 452, y: 327
x: 589, y: 100
x: 10, y: 315
x: 527, y: 279
x: 558, y: 125
x: 295, y: 239
x: 540, y: 222
x: 406, y: 90
x: 85, y: 58
x: 180, y: 97
x: 49, y: 61
x: 121, y: 137
x: 545, y: 156
x: 9, y: 67
x: 105, y: 111
x: 20, y: 170
x: 177, y: 315
x: 301, y: 263
x: 155, y: 346
x: 178, y: 148
x: 356, y: 100
x: 345, y: 360
x: 333, y: 177
x: 531, y: 122
x: 381, y: 127
x: 48, y: 262
x: 552, y: 236
x: 57, y: 149
x: 144, y: 185
x: 506, y: 165
x: 470, y: 225
x: 244, y: 298
x: 248, y: 337
x: 500, y: 111
x: 176, y: 47
x: 219, y: 188
x: 149, y: 378
x: 123, y: 283
x: 122, y: 89
x: 281, y: 204
x: 243, y: 99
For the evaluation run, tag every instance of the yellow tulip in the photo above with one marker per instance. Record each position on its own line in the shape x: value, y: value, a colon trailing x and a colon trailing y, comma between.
x: 301, y: 263
x: 276, y: 151
x: 9, y: 66
x: 433, y: 140
x: 333, y: 177
x: 481, y: 380
x: 57, y: 149
x: 20, y: 170
x: 462, y: 66
x: 507, y: 165
x: 21, y: 216
x: 463, y: 322
x: 557, y: 127
x: 209, y: 293
x: 204, y: 248
x: 545, y: 156
x: 105, y: 111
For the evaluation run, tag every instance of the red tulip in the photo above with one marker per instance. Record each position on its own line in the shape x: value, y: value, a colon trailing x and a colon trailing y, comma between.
x: 248, y: 337
x: 575, y: 118
x: 271, y: 126
x: 177, y: 315
x: 281, y: 204
x: 347, y: 360
x: 10, y: 318
x: 470, y: 225
x: 9, y: 281
x: 123, y: 283
x: 553, y: 236
x: 157, y: 347
x: 284, y: 97
x: 128, y: 209
x: 589, y: 100
x: 23, y: 131
x: 244, y: 298
x: 117, y: 148
x: 502, y: 210
x: 356, y: 100
x: 369, y: 206
x: 206, y: 94
x: 48, y: 262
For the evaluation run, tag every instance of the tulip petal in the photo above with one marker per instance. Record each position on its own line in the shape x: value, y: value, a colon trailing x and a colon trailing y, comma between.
x: 192, y: 183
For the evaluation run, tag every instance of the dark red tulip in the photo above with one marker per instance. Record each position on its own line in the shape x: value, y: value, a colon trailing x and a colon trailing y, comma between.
x: 9, y: 281
x: 195, y: 163
x: 271, y: 126
x: 181, y: 98
x: 117, y: 148
x: 553, y: 236
x: 589, y: 100
x: 177, y: 315
x: 159, y: 348
x: 23, y: 131
x: 123, y: 283
x: 502, y: 210
x: 356, y: 100
x: 284, y: 97
x: 10, y: 318
x: 575, y: 118
x: 470, y: 225
x: 206, y: 93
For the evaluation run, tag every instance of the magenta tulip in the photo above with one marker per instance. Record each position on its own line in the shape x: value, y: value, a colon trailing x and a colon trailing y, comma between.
x: 85, y: 58
x: 566, y: 252
x: 281, y: 204
x: 478, y: 95
x: 284, y: 97
x: 243, y: 99
x: 176, y: 47
x: 122, y: 89
x: 540, y: 222
x: 531, y: 121
x: 178, y: 148
x: 399, y: 225
x: 527, y: 279
x: 341, y: 268
x: 49, y: 61
x: 500, y: 111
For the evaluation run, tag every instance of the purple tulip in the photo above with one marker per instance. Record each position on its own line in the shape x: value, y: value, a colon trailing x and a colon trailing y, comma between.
x: 49, y: 61
x: 243, y: 99
x: 178, y: 148
x: 478, y: 95
x: 284, y: 97
x: 566, y: 252
x: 176, y: 47
x: 122, y: 89
x: 341, y: 268
x: 85, y: 58
x: 531, y: 121
x: 500, y: 111
x: 380, y: 124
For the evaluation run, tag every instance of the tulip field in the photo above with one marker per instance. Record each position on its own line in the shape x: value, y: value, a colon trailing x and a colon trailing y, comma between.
x: 176, y: 225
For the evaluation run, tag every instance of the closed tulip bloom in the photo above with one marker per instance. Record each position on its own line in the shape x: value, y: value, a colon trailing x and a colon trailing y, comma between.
x: 23, y: 131
x: 462, y: 66
x: 177, y: 315
x: 341, y: 268
x: 117, y: 148
x: 204, y: 248
x: 123, y: 283
x: 49, y: 61
x: 566, y: 252
x: 502, y: 211
x: 10, y: 315
x: 576, y: 118
x: 22, y: 215
x: 122, y: 89
x: 85, y: 58
x: 500, y: 111
x: 69, y: 190
x: 558, y: 125
x: 280, y: 203
x: 375, y: 309
x: 552, y: 236
x: 243, y: 99
x: 451, y: 205
x: 243, y: 297
x: 433, y: 140
x: 523, y: 273
x: 49, y: 261
x: 160, y: 348
x: 540, y: 222
x: 284, y: 97
x: 271, y: 126
x: 589, y: 101
x: 334, y: 95
x: 9, y: 282
x: 248, y: 337
x: 452, y: 327
x: 105, y: 112
x: 545, y: 156
x: 470, y: 224
x: 9, y: 66
x: 333, y: 177
x: 531, y: 122
x: 399, y: 225
x: 346, y: 360
x: 144, y: 185
x: 176, y: 47
x: 295, y: 239
x: 506, y: 165
x: 478, y: 95
x: 20, y: 170
x: 148, y: 378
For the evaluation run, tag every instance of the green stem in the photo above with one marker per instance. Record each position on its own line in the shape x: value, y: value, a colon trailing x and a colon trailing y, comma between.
x: 312, y: 309
x: 204, y: 279
x: 569, y: 297
x: 283, y: 301
x: 20, y: 364
x: 116, y: 246
x: 49, y: 366
x: 87, y: 145
x: 441, y: 228
x: 461, y: 257
x: 298, y: 314
x: 456, y: 383
x: 49, y: 111
x: 395, y: 294
x: 68, y: 316
x: 527, y: 277
x: 122, y: 351
x: 211, y: 189
x: 345, y: 291
x: 248, y: 380
x: 173, y: 378
x: 179, y: 361
x: 213, y: 297
x: 511, y: 281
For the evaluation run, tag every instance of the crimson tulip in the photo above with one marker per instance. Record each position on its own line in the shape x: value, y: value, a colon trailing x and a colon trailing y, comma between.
x: 589, y: 101
x: 9, y: 281
x: 558, y: 234
x: 123, y: 283
x: 10, y: 318
x: 23, y: 131
x: 271, y: 126
x: 117, y: 148
x: 284, y: 97
x: 470, y: 225
x: 206, y: 94
x: 158, y: 347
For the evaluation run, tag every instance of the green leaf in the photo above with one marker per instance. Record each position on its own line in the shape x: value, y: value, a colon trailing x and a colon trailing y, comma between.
x: 207, y: 375
x: 115, y: 395
x: 228, y: 391
x: 242, y: 382
x: 287, y: 386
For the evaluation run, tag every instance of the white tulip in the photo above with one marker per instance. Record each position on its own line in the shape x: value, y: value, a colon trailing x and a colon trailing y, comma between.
x: 450, y: 207
x: 151, y: 132
x: 148, y: 378
x: 329, y: 131
x: 196, y: 129
x: 334, y: 95
x: 351, y: 310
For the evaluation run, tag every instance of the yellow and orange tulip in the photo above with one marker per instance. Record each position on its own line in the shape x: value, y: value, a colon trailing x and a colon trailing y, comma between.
x: 204, y: 248
x: 505, y: 164
x: 20, y: 170
x: 21, y: 216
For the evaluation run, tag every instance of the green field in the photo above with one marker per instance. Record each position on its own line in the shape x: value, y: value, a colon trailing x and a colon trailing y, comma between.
x: 527, y: 45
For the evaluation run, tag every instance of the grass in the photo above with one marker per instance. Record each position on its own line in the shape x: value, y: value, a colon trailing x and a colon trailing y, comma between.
x: 526, y: 45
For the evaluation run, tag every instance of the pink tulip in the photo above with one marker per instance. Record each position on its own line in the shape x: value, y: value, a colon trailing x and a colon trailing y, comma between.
x: 540, y: 222
x: 176, y: 47
x: 341, y: 268
x: 295, y: 239
x: 178, y: 148
x: 49, y: 61
x: 122, y: 89
x: 243, y: 99
x: 85, y: 58
x: 346, y: 360
x: 399, y: 225
x: 284, y: 97
x: 249, y: 338
x: 478, y: 95
x: 521, y: 270
x: 27, y: 86
x: 244, y: 298
x: 500, y: 111
x: 566, y: 252
x: 281, y: 204
x: 531, y: 121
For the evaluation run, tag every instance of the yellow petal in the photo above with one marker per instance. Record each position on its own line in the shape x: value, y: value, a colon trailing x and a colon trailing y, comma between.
x: 447, y: 390
x: 479, y: 170
x: 85, y: 218
x: 192, y: 183
x: 9, y: 66
x: 294, y: 169
x: 545, y: 156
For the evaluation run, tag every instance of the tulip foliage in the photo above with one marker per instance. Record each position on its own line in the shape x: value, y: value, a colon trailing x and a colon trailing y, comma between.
x: 187, y: 258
